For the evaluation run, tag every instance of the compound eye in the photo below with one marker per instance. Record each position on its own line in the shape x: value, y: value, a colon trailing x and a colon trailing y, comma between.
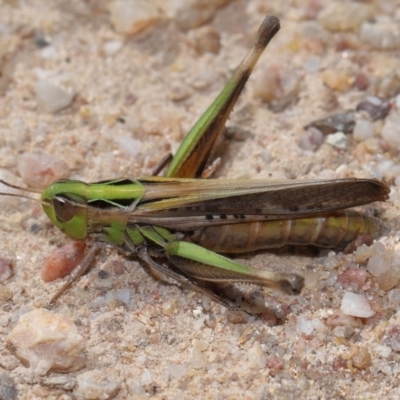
x: 63, y: 209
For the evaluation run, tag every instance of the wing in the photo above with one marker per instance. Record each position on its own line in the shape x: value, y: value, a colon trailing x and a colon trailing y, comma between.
x: 188, y: 204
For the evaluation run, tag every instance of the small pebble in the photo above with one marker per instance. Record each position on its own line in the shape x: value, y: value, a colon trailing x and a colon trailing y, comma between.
x: 189, y: 14
x: 391, y: 129
x: 381, y: 34
x: 389, y: 85
x: 392, y: 338
x: 379, y: 261
x: 277, y: 85
x: 363, y: 130
x: 176, y: 371
x: 169, y: 307
x: 356, y: 305
x: 257, y: 358
x: 53, y: 94
x: 206, y: 40
x: 134, y: 16
x: 342, y: 122
x: 5, y: 293
x: 61, y: 262
x: 362, y: 360
x: 391, y: 277
x: 237, y: 317
x: 393, y: 298
x: 111, y: 47
x: 95, y: 384
x: 338, y: 140
x: 361, y: 81
x: 275, y: 364
x: 304, y: 326
x: 199, y: 358
x: 343, y: 331
x: 123, y: 295
x: 128, y: 145
x: 358, y: 276
x: 376, y: 107
x: 146, y: 378
x: 336, y: 80
x: 311, y: 139
x: 39, y: 170
x: 363, y: 253
x: 344, y: 16
x: 46, y: 342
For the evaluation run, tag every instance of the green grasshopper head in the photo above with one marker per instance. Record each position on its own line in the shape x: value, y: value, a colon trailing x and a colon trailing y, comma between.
x: 64, y: 202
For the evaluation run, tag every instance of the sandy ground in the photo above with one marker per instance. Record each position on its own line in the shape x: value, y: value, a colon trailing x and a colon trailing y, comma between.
x: 134, y: 98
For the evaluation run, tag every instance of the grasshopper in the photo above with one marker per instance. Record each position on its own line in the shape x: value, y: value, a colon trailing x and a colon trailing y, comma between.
x: 188, y: 221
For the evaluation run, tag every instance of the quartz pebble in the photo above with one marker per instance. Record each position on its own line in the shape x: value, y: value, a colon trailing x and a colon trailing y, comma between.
x: 311, y: 139
x: 206, y: 40
x: 146, y: 378
x: 176, y: 371
x: 134, y: 16
x: 381, y: 34
x: 338, y: 140
x: 304, y: 326
x: 336, y: 80
x: 96, y: 385
x: 344, y: 16
x: 363, y: 130
x: 54, y: 94
x: 362, y: 360
x: 379, y: 261
x: 189, y: 14
x: 391, y: 129
x: 356, y: 305
x: 256, y: 356
x: 391, y: 277
x: 39, y: 170
x: 45, y: 342
x: 277, y: 85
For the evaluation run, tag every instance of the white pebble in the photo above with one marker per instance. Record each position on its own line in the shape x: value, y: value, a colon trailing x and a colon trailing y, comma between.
x: 39, y: 170
x: 94, y: 385
x: 379, y: 262
x: 381, y: 34
x: 363, y: 130
x: 146, y: 378
x: 391, y: 129
x: 128, y: 145
x: 338, y: 139
x: 384, y: 351
x: 176, y: 371
x: 344, y: 16
x: 393, y: 297
x: 112, y: 46
x: 53, y: 94
x: 304, y: 326
x: 257, y: 358
x: 356, y: 305
x: 123, y: 295
x: 48, y: 342
x: 134, y: 16
x: 189, y: 14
